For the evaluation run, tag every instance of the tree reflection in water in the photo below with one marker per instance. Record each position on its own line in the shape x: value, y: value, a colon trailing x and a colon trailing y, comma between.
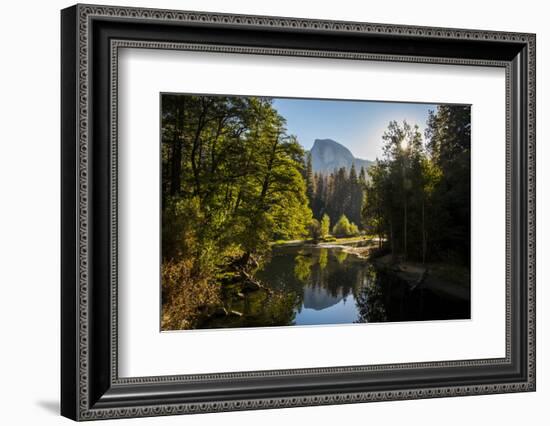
x: 312, y: 285
x: 323, y: 258
x: 369, y: 298
x: 302, y: 268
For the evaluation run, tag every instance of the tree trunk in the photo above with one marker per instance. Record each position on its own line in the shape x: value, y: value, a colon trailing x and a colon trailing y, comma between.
x: 423, y: 235
x: 405, y: 230
x: 177, y: 146
x: 380, y: 231
x: 197, y: 147
x: 391, y: 241
x: 267, y: 177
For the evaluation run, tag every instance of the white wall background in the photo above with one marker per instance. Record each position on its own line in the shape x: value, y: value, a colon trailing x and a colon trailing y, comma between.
x: 29, y: 212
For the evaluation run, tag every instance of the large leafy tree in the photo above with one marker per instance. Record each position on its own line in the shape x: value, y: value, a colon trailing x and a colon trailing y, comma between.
x: 417, y: 197
x: 232, y: 181
x: 375, y: 211
x: 448, y: 134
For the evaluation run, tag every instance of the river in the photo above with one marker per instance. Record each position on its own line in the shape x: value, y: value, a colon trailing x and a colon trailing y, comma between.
x: 312, y: 285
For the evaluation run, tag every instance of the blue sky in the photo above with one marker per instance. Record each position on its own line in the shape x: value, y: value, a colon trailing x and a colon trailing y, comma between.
x: 358, y: 125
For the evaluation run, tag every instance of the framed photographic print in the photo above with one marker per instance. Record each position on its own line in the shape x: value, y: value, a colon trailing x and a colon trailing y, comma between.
x: 263, y: 212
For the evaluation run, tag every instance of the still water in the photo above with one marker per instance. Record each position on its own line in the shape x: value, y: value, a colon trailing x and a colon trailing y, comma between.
x: 326, y: 285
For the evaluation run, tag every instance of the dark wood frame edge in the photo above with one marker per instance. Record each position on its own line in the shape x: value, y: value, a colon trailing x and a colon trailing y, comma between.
x: 89, y: 390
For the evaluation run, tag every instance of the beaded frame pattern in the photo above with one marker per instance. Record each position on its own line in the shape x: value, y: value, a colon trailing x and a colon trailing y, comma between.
x: 86, y: 12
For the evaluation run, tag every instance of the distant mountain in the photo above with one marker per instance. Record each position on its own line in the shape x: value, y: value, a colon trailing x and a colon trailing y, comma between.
x: 327, y: 155
x: 317, y: 298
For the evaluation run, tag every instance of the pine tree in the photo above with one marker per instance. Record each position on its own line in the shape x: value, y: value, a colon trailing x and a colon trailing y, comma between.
x: 325, y: 226
x: 310, y: 183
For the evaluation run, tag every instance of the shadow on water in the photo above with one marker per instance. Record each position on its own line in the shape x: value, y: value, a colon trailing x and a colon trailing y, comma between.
x: 313, y: 285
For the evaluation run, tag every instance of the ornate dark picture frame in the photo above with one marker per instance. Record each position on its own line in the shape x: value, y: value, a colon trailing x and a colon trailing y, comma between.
x: 91, y: 37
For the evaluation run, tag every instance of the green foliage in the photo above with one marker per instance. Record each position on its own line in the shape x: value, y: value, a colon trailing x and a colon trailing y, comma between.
x: 323, y: 258
x: 374, y: 204
x: 338, y: 193
x: 180, y: 237
x: 448, y: 135
x: 341, y: 256
x: 302, y: 267
x: 418, y: 196
x: 232, y: 181
x: 325, y: 226
x: 184, y: 294
x: 345, y: 228
x: 315, y: 230
x: 308, y: 176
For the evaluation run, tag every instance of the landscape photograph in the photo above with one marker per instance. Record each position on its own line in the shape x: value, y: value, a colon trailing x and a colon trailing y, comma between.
x: 304, y: 212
